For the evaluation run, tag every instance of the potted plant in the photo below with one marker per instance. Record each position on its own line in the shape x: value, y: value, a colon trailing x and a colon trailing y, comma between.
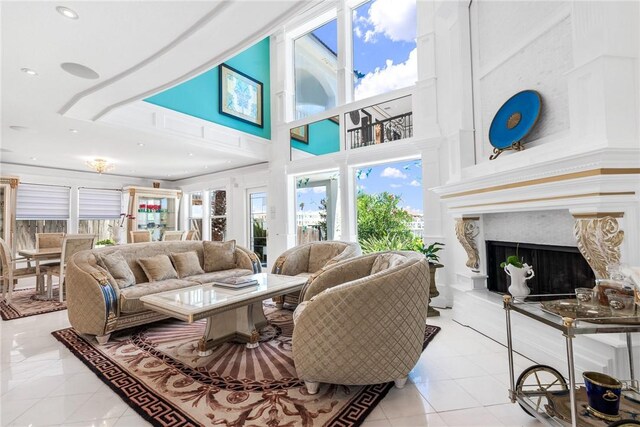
x: 431, y: 253
x: 105, y: 242
x: 519, y: 272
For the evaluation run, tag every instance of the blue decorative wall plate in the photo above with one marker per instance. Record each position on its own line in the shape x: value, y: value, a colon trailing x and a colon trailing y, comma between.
x: 514, y: 120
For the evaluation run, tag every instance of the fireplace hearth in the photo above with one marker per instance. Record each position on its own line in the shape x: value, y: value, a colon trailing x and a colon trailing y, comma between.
x: 558, y: 269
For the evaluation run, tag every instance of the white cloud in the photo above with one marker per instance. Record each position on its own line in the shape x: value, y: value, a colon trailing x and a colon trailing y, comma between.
x: 396, y: 19
x: 392, y: 173
x: 318, y: 190
x: 414, y: 183
x: 391, y: 77
x: 303, y: 190
x: 395, y: 185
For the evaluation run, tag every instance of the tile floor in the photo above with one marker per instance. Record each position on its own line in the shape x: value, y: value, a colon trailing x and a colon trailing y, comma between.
x: 460, y: 380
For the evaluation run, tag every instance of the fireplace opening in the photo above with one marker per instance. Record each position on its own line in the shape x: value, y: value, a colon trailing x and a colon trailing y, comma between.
x: 558, y: 269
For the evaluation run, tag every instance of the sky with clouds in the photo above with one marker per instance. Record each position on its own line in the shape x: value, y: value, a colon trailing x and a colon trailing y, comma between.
x: 403, y: 179
x: 384, y: 45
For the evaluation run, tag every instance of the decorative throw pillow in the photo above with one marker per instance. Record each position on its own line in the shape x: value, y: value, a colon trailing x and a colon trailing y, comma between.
x: 385, y: 262
x: 158, y: 268
x: 219, y: 255
x: 118, y: 268
x: 187, y: 264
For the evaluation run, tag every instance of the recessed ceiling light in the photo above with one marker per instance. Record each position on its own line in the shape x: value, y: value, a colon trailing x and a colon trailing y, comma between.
x: 29, y: 71
x: 206, y: 167
x: 168, y: 174
x: 22, y: 129
x: 228, y: 161
x: 67, y: 13
x: 73, y: 130
x: 140, y: 144
x: 190, y: 154
x: 132, y: 170
x: 79, y: 70
x: 34, y: 158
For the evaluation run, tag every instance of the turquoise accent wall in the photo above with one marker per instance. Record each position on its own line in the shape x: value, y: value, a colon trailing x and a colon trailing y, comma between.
x: 199, y: 96
x: 324, y: 138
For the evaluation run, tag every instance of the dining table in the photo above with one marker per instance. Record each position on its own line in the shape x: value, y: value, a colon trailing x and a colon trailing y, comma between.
x: 39, y: 255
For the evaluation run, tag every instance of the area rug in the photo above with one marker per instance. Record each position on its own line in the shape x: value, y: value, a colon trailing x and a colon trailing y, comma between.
x: 24, y: 304
x: 157, y: 371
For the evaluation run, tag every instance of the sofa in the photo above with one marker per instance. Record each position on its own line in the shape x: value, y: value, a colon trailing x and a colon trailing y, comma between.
x: 362, y: 321
x: 309, y: 258
x: 99, y: 304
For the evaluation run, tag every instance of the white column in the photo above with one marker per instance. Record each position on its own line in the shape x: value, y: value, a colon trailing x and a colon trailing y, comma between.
x: 280, y: 193
x: 345, y: 54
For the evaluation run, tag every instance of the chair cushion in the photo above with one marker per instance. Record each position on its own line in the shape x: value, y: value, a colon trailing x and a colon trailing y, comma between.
x: 304, y: 274
x: 217, y: 275
x: 130, y: 297
x: 118, y: 268
x: 186, y: 264
x: 386, y: 261
x: 320, y: 254
x: 158, y: 268
x: 219, y: 255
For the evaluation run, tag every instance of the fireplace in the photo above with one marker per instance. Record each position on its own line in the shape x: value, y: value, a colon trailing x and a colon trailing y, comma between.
x: 558, y: 269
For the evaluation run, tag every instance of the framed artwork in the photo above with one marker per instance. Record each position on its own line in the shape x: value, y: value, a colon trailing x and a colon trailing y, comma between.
x: 301, y: 133
x: 240, y: 96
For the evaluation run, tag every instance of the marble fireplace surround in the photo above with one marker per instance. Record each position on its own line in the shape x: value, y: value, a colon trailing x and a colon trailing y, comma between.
x: 590, y: 200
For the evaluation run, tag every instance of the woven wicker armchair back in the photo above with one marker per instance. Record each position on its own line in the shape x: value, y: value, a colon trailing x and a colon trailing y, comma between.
x: 362, y: 320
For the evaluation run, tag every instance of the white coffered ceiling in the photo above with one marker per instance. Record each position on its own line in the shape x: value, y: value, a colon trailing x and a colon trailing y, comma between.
x: 137, y: 48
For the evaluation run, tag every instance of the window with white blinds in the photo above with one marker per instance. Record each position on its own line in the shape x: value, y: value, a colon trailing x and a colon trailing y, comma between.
x: 96, y: 203
x: 42, y: 202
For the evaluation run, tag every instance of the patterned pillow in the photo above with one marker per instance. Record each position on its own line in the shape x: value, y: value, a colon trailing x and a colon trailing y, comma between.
x: 158, y: 268
x: 118, y: 268
x: 219, y: 255
x: 386, y: 261
x: 187, y: 264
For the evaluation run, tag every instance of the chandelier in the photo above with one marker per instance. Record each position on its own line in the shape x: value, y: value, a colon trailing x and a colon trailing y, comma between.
x: 100, y: 165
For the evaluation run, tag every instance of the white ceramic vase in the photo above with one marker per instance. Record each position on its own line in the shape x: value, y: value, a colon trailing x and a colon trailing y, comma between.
x: 519, y: 277
x: 118, y: 235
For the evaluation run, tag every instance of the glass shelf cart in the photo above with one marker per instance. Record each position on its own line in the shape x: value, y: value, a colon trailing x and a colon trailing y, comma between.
x: 540, y: 383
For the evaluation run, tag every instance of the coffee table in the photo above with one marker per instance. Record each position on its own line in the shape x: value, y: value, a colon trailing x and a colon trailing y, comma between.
x: 232, y: 314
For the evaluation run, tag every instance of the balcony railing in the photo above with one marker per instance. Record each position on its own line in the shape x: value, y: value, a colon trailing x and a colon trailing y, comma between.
x: 387, y: 130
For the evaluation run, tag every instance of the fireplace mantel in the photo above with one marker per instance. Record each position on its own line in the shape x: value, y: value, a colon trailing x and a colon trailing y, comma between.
x: 596, y: 181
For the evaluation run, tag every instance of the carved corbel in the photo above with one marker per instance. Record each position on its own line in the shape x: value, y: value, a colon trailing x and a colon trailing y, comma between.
x: 599, y: 241
x: 466, y: 231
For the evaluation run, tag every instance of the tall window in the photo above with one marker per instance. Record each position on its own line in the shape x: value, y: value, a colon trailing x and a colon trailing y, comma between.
x: 40, y: 209
x: 218, y: 215
x: 389, y: 206
x: 195, y: 213
x: 316, y: 72
x: 385, y: 56
x: 99, y: 212
x: 258, y: 225
x: 317, y: 207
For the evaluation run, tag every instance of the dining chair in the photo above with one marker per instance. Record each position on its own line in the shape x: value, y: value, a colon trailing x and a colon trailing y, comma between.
x: 190, y: 235
x: 71, y: 245
x: 49, y: 240
x: 140, y: 236
x: 10, y: 273
x: 172, y: 235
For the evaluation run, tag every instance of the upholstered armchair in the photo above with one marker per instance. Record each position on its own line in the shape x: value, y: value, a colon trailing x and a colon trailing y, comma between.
x: 362, y: 321
x: 307, y: 259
